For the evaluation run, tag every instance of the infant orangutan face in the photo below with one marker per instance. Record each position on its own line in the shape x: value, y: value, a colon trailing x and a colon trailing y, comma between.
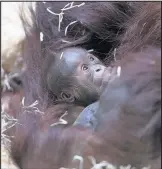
x: 83, y: 65
x: 76, y: 69
x: 86, y: 67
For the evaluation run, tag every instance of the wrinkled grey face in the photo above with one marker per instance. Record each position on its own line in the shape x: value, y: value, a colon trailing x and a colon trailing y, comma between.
x: 85, y: 66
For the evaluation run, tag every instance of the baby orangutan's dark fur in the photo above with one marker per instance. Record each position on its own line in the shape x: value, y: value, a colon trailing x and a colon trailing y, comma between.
x: 129, y: 129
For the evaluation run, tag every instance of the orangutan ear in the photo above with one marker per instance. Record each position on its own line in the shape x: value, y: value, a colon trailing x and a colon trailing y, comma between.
x: 67, y: 96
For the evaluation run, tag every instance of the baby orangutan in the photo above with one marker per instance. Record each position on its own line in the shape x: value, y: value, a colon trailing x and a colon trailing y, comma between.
x: 76, y: 76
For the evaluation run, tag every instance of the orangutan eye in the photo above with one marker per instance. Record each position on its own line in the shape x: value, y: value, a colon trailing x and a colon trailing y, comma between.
x: 91, y: 58
x: 84, y: 67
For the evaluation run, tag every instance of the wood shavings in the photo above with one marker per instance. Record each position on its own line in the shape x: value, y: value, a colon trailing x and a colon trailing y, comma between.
x: 70, y: 6
x: 6, y: 161
x: 149, y: 167
x: 31, y: 107
x: 68, y: 26
x: 61, y: 120
x: 118, y: 71
x: 76, y: 157
x: 6, y: 85
x: 41, y: 36
x: 65, y: 41
x: 61, y: 55
x: 107, y: 165
x: 125, y: 167
x: 91, y: 50
x: 61, y: 14
x: 5, y: 80
x: 7, y: 123
x: 101, y: 164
